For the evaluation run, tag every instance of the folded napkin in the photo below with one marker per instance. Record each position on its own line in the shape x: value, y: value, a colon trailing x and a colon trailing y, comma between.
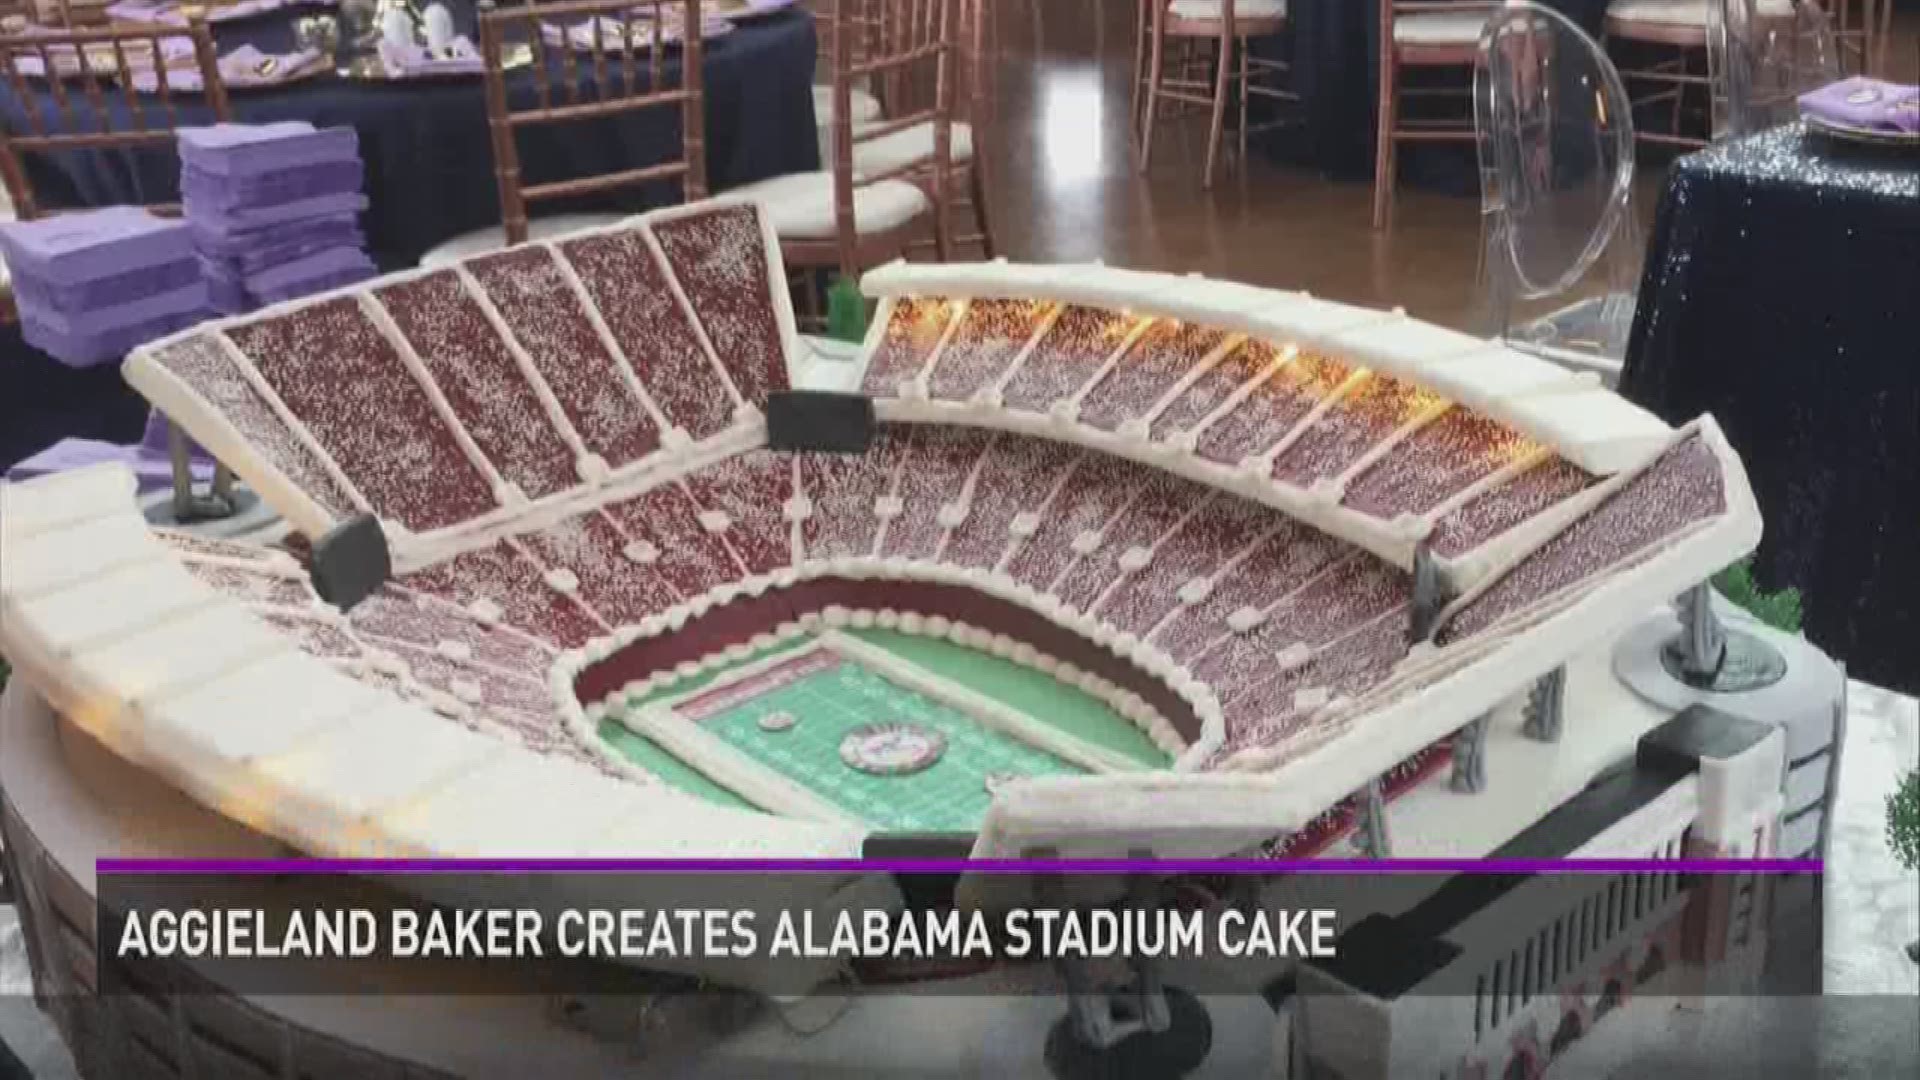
x: 415, y: 60
x: 136, y: 312
x: 613, y: 33
x: 240, y: 69
x: 293, y: 273
x: 252, y: 149
x: 227, y: 298
x: 67, y: 249
x: 89, y: 347
x: 1870, y: 104
x: 239, y: 221
x: 263, y: 244
x: 338, y: 279
x: 78, y: 298
x: 221, y: 195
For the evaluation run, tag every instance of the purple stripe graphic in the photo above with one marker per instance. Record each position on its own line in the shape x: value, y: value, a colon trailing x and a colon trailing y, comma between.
x: 1275, y: 868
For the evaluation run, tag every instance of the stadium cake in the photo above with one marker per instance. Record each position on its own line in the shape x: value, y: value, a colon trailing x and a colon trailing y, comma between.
x: 1130, y: 561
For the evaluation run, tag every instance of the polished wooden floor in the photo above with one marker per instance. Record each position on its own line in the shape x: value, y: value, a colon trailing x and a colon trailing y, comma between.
x: 1066, y: 186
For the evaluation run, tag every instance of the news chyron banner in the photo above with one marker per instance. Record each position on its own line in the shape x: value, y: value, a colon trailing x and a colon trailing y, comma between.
x: 966, y: 927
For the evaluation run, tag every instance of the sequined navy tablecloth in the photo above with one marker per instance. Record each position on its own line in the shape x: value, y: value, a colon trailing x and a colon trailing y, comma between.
x: 1782, y: 294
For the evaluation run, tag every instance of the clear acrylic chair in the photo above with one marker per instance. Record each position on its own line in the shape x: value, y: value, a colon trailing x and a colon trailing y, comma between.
x: 1762, y: 55
x: 1560, y: 253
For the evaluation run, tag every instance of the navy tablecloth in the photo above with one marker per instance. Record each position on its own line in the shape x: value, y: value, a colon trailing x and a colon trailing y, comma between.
x: 429, y: 159
x: 1782, y: 295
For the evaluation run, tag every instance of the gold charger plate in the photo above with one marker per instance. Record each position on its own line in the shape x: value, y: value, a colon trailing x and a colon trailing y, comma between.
x: 312, y: 71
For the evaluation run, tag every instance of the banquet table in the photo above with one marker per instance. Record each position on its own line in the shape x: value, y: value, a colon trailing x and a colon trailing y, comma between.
x: 1334, y: 49
x: 426, y: 146
x: 1782, y: 294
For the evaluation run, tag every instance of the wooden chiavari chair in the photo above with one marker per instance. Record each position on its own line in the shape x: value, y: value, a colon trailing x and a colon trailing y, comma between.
x: 884, y: 187
x: 1420, y: 34
x: 1677, y: 28
x: 87, y: 117
x: 628, y: 69
x: 1883, y: 34
x: 974, y: 68
x: 1684, y: 26
x: 1230, y: 25
x: 67, y: 13
x: 967, y: 185
x: 866, y: 107
x: 103, y: 112
x: 907, y: 151
x: 1859, y: 30
x: 17, y: 15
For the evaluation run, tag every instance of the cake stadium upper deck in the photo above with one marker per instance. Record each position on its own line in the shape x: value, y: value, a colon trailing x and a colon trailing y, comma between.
x: 1294, y: 544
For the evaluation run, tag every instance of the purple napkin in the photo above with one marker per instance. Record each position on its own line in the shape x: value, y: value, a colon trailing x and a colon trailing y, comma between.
x: 290, y: 275
x: 334, y: 230
x: 318, y: 272
x: 68, y: 249
x: 1870, y: 104
x: 336, y: 280
x: 239, y: 265
x: 153, y: 471
x: 189, y: 297
x: 203, y: 191
x: 77, y: 300
x: 251, y: 149
x: 227, y: 297
x: 240, y: 221
x: 88, y: 348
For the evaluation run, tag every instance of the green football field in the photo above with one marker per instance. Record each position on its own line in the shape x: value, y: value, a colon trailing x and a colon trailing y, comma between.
x: 949, y: 795
x: 832, y: 696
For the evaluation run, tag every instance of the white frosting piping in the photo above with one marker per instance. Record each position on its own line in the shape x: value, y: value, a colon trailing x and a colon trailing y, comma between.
x: 244, y: 364
x: 629, y: 377
x: 383, y: 324
x: 720, y: 372
x: 523, y: 360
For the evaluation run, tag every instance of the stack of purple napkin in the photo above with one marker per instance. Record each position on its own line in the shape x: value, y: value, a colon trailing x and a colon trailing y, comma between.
x: 92, y: 285
x: 273, y: 210
x: 1866, y: 104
